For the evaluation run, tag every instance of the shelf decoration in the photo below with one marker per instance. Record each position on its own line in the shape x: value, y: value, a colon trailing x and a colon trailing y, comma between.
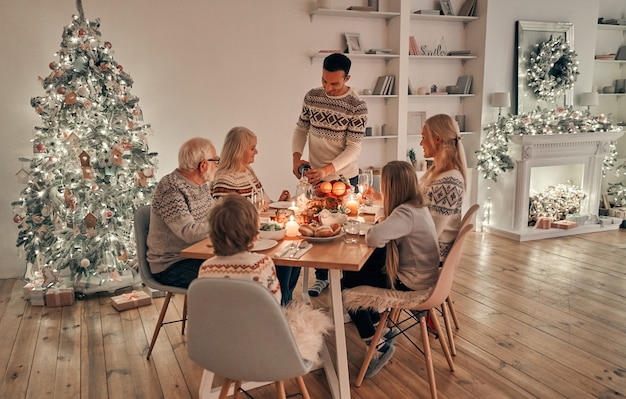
x: 553, y: 69
x: 493, y: 156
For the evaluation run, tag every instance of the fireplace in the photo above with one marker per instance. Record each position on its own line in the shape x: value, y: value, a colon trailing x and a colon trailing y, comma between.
x: 541, y: 160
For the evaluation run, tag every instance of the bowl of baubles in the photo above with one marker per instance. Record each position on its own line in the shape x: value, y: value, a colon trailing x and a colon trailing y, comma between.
x: 315, y: 231
x: 272, y: 231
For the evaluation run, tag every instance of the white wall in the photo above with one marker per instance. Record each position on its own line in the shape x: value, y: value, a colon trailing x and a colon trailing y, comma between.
x: 201, y: 67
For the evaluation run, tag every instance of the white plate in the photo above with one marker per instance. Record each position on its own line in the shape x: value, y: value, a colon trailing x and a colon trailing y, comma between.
x: 321, y: 239
x: 280, y: 204
x: 263, y: 244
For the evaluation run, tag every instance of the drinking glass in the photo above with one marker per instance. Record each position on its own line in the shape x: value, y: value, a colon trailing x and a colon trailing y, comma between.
x: 351, y: 228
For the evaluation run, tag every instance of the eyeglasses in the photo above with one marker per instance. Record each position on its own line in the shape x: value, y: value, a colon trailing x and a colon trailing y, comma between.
x: 216, y: 160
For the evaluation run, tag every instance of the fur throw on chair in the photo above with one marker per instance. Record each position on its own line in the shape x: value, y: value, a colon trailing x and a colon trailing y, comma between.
x: 382, y: 298
x: 308, y: 325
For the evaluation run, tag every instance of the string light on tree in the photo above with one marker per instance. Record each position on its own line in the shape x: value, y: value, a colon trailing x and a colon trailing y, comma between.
x: 91, y: 166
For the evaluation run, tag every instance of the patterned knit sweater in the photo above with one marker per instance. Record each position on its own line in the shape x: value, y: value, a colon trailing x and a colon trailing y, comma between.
x: 178, y: 218
x: 445, y: 201
x: 243, y: 183
x: 334, y: 127
x: 244, y: 266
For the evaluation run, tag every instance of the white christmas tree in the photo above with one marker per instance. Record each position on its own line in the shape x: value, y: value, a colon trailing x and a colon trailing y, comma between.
x: 91, y: 167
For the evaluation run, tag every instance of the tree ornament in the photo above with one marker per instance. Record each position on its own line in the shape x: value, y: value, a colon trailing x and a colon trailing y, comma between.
x: 70, y: 98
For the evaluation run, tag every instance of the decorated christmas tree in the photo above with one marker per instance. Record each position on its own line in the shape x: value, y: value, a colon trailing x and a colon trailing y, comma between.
x: 90, y: 170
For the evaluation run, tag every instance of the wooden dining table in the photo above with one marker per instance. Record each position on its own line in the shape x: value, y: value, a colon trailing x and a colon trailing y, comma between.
x: 334, y: 255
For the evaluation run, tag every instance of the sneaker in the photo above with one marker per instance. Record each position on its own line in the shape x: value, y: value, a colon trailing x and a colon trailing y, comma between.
x: 380, y: 359
x: 392, y: 334
x: 317, y: 287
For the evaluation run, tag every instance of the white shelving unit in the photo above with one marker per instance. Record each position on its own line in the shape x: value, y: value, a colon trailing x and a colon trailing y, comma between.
x: 400, y: 22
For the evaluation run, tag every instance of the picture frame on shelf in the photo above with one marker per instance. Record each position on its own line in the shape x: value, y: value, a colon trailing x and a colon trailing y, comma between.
x: 446, y: 7
x: 353, y: 41
x: 415, y: 122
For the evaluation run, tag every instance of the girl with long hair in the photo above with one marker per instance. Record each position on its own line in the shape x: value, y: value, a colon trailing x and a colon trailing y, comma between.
x: 406, y: 239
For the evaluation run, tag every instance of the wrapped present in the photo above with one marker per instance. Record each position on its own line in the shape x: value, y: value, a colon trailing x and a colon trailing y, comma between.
x: 38, y: 296
x: 564, y: 224
x: 618, y: 213
x: 131, y: 300
x: 59, y: 296
x: 544, y: 222
x: 27, y: 289
x: 155, y: 293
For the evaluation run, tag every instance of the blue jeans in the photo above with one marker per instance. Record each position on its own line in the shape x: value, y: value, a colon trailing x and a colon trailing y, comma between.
x: 322, y: 274
x: 287, y: 278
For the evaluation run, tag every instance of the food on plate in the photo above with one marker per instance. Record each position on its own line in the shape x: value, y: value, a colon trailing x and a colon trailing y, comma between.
x: 317, y: 230
x: 306, y: 230
x: 339, y: 188
x: 324, y: 231
x: 325, y: 187
x: 271, y: 226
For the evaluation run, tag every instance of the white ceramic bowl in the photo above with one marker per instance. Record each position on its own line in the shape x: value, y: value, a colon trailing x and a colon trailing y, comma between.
x: 328, y: 218
x: 272, y: 234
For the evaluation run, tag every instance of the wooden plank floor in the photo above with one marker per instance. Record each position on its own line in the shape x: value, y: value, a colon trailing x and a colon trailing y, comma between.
x: 539, y: 319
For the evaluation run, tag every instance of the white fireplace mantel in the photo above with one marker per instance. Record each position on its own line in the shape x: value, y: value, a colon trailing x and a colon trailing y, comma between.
x: 510, y: 195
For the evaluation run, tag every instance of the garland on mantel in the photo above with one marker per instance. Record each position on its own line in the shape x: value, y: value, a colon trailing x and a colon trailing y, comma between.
x: 552, y: 69
x: 493, y: 156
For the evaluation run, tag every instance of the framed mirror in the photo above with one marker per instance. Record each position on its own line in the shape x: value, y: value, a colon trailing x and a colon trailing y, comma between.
x: 532, y: 36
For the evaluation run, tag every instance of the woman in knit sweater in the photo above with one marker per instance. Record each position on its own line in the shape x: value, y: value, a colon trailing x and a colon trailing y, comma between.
x: 234, y: 174
x: 444, y: 182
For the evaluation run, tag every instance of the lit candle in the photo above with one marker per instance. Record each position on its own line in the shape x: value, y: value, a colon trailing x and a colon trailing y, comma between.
x: 291, y: 228
x: 293, y: 208
x: 353, y: 206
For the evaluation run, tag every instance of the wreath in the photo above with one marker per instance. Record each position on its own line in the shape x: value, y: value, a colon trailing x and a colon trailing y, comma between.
x: 553, y: 69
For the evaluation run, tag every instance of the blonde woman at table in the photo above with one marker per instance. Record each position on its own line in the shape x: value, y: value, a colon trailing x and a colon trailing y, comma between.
x: 234, y: 225
x: 443, y: 184
x: 407, y: 255
x: 235, y: 175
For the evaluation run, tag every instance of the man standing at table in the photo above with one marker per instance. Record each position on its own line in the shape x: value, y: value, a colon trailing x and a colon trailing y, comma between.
x: 333, y: 121
x: 179, y: 213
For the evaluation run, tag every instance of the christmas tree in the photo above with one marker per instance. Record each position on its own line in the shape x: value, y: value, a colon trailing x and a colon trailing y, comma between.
x: 90, y: 169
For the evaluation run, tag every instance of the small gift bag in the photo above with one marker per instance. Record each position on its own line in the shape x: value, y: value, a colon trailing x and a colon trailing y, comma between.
x: 131, y: 300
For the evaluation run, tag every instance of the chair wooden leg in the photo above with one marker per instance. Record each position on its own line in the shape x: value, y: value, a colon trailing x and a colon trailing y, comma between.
x: 280, y: 389
x: 236, y: 389
x: 159, y: 324
x: 450, y: 304
x: 428, y: 356
x: 448, y: 325
x: 372, y: 348
x: 302, y: 386
x: 442, y: 341
x: 225, y: 387
x: 184, y: 315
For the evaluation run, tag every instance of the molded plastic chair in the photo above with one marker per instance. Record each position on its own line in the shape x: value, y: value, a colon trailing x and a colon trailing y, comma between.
x: 447, y: 308
x: 238, y: 331
x: 142, y: 225
x: 419, y: 305
x: 467, y: 218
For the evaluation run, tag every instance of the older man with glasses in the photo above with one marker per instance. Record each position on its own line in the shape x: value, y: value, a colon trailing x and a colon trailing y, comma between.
x: 179, y: 213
